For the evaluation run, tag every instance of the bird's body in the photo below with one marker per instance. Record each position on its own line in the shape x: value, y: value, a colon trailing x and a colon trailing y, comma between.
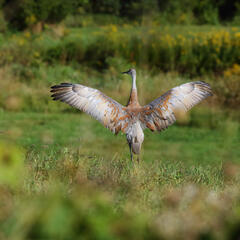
x: 134, y: 118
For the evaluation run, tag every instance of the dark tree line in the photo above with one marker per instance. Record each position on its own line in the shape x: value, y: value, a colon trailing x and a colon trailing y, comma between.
x: 18, y: 13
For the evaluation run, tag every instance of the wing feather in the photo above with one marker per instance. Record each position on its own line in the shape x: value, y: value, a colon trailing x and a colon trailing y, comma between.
x: 103, y: 108
x: 161, y: 111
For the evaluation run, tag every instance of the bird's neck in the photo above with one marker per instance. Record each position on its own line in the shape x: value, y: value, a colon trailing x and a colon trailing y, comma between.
x: 133, y: 96
x: 134, y: 87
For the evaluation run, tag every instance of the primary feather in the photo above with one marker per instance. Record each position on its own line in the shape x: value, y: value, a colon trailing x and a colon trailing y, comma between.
x: 91, y: 101
x: 160, y: 113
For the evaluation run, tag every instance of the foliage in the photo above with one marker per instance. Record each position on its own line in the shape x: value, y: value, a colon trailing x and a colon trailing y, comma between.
x: 203, y: 12
x: 11, y: 165
x: 31, y: 63
x: 86, y: 213
x: 106, y: 6
x: 189, y: 52
x: 3, y: 24
x: 22, y: 14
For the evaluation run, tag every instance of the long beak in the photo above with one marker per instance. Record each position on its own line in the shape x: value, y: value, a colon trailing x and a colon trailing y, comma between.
x: 124, y: 72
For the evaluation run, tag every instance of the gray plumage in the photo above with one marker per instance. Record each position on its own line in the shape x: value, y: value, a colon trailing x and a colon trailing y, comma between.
x: 134, y: 118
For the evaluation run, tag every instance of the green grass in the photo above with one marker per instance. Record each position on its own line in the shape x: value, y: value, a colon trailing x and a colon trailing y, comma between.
x: 180, y: 145
x: 75, y: 172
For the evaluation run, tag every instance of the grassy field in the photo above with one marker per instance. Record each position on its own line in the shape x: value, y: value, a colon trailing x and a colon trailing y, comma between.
x: 189, y: 146
x: 71, y: 160
x: 59, y: 167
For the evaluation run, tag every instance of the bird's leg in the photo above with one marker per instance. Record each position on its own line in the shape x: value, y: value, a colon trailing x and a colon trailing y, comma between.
x: 131, y: 153
x: 138, y: 159
x: 130, y: 147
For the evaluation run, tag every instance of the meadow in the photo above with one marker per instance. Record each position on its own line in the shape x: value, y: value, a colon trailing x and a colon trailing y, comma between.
x: 59, y: 167
x: 65, y: 168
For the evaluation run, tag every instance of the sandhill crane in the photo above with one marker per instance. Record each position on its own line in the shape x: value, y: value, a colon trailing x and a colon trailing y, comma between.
x: 134, y: 118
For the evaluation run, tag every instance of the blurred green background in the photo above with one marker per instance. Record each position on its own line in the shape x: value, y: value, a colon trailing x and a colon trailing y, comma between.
x: 63, y: 175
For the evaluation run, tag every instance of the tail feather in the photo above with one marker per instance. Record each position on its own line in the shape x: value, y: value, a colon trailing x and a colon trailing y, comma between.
x: 136, y: 148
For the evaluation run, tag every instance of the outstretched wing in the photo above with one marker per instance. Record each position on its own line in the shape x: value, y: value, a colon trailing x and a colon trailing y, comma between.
x: 159, y: 114
x: 109, y: 112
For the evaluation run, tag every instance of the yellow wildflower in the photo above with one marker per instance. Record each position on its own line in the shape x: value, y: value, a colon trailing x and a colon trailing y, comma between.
x: 237, y: 34
x: 36, y: 54
x: 31, y: 20
x: 27, y: 34
x: 227, y: 73
x: 114, y: 28
x: 21, y: 42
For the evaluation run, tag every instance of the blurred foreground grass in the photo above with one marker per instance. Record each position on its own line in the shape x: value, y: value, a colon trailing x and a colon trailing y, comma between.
x: 67, y: 170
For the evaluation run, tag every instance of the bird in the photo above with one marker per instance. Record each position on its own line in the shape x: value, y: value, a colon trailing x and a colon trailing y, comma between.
x: 133, y: 118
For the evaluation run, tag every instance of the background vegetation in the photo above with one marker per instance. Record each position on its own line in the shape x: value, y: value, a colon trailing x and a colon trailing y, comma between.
x: 59, y: 167
x: 21, y: 14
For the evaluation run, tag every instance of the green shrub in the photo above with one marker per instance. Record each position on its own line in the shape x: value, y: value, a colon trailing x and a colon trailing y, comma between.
x: 29, y: 56
x: 21, y: 14
x: 194, y: 53
x: 25, y: 13
x: 11, y: 165
x: 3, y: 23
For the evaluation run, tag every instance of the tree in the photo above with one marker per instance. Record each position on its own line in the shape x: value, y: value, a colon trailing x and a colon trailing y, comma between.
x: 23, y: 13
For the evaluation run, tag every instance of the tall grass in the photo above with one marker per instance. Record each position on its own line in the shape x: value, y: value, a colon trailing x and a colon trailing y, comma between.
x: 189, y: 52
x: 30, y: 63
x: 27, y: 87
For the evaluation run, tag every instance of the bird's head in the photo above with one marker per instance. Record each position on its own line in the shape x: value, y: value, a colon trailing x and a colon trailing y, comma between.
x: 131, y: 72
